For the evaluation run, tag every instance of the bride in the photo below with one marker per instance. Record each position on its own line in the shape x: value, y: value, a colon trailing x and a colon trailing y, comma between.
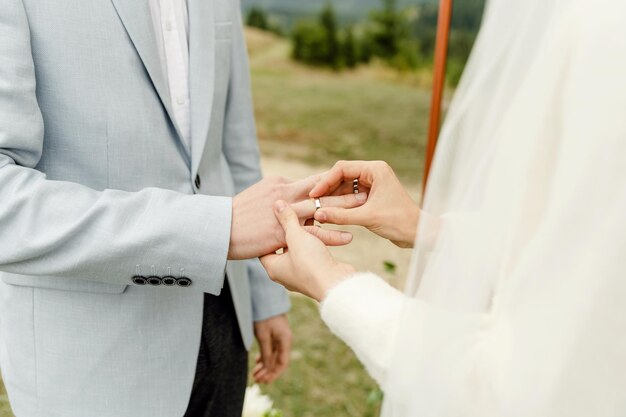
x: 516, y: 300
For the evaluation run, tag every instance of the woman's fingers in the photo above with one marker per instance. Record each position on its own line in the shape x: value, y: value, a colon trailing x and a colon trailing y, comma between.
x: 288, y: 219
x: 300, y: 189
x: 347, y: 187
x: 331, y: 179
x: 342, y: 171
x: 330, y: 237
x: 306, y: 208
x: 269, y: 262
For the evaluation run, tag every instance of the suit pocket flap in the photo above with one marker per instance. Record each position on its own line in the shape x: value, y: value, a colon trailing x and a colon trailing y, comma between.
x: 63, y: 284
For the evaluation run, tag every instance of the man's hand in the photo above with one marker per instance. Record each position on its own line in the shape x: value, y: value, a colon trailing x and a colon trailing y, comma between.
x: 274, y: 338
x: 255, y: 231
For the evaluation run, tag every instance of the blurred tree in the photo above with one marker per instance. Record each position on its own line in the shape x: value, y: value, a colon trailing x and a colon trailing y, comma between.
x: 466, y: 19
x: 349, y: 50
x: 328, y: 21
x: 318, y: 42
x: 386, y: 30
x: 467, y: 15
x: 390, y: 38
x: 402, y: 37
x: 257, y: 18
x: 309, y: 43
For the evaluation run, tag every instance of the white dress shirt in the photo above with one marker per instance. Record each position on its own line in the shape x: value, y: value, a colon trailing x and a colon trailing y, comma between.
x: 171, y: 26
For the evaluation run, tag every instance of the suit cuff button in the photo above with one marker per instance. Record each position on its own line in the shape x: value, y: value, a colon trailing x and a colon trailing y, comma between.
x: 139, y: 280
x: 183, y: 282
x: 154, y: 281
x: 168, y: 281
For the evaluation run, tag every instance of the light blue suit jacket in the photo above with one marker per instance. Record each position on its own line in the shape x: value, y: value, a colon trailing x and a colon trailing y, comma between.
x: 97, y: 189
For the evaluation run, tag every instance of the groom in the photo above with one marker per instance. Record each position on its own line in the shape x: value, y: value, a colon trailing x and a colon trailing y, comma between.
x: 125, y: 128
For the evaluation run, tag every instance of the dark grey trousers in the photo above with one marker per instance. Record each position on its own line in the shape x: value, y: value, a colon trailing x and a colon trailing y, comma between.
x: 222, y: 369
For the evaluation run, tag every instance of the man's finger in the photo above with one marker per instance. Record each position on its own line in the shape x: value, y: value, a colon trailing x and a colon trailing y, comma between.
x: 265, y: 347
x: 347, y: 187
x: 341, y: 216
x: 344, y: 201
x: 260, y: 377
x: 282, y: 360
x: 330, y: 237
x: 306, y: 209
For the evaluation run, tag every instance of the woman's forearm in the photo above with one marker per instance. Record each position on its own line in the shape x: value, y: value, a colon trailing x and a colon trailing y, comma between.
x: 364, y: 311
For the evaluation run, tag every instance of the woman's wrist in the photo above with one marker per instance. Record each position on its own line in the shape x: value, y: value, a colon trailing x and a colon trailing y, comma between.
x: 408, y: 228
x: 331, y: 279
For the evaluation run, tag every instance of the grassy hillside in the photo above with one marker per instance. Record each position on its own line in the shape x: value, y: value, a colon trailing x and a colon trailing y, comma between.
x: 320, y: 116
x: 324, y: 378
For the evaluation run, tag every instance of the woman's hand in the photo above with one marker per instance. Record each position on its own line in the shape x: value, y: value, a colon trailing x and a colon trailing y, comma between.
x: 305, y: 266
x: 389, y: 210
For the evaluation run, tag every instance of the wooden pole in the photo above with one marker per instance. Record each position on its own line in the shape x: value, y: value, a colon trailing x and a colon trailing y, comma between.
x: 439, y: 78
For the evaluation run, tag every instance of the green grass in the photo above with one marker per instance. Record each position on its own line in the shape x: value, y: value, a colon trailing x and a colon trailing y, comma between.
x: 319, y: 116
x: 324, y: 379
x: 5, y: 408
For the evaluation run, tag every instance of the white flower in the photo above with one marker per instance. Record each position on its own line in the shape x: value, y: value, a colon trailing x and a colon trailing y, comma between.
x: 256, y: 404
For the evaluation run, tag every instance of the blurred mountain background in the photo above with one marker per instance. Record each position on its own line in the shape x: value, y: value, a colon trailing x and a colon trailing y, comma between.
x: 347, y: 33
x: 349, y: 11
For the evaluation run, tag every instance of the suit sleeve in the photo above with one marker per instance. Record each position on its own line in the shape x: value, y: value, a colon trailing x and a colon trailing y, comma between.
x: 242, y: 153
x: 64, y: 229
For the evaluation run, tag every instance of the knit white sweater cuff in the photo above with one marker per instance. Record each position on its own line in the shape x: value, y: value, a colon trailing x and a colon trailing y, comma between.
x: 365, y: 311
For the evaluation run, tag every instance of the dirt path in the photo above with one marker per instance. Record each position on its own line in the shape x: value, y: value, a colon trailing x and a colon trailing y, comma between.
x: 367, y: 251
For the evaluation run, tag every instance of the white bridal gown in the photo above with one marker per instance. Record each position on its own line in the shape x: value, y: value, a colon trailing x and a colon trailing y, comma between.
x: 516, y: 303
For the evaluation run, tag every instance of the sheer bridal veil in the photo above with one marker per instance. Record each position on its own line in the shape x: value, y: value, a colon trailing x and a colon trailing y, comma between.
x: 515, y: 287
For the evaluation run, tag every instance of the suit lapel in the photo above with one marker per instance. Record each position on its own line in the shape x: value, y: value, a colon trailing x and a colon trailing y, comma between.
x: 137, y: 19
x: 201, y: 74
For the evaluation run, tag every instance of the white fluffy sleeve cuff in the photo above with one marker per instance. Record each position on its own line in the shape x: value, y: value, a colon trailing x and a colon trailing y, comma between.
x: 365, y: 312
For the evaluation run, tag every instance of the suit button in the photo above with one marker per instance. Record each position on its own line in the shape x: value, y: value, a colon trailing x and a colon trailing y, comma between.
x: 168, y: 281
x: 197, y: 182
x: 183, y: 282
x: 154, y: 280
x: 139, y: 280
